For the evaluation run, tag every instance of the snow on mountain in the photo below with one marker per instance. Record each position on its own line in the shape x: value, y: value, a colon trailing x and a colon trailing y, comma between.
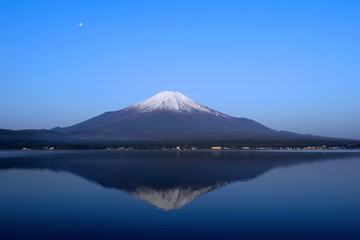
x: 172, y: 101
x: 171, y: 198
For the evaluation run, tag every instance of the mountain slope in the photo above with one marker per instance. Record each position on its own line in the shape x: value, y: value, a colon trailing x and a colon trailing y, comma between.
x: 172, y: 116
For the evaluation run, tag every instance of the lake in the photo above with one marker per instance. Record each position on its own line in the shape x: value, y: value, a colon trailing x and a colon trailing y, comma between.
x: 180, y: 194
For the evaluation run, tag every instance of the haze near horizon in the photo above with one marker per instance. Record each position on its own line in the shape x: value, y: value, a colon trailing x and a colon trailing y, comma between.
x: 288, y: 65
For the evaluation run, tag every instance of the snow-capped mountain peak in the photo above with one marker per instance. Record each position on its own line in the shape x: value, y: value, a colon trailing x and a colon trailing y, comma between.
x: 172, y: 101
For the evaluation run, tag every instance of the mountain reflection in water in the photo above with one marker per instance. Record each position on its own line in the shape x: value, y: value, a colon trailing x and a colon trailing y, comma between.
x: 167, y: 179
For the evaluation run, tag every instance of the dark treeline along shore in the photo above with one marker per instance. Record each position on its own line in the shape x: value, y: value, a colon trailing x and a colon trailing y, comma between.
x: 176, y: 145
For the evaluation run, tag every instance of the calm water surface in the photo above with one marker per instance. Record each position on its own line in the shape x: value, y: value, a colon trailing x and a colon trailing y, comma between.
x: 179, y: 195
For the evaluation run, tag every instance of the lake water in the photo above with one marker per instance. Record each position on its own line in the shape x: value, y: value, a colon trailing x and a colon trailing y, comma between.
x: 179, y: 195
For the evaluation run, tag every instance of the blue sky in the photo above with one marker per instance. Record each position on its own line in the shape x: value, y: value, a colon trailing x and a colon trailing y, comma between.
x: 290, y: 65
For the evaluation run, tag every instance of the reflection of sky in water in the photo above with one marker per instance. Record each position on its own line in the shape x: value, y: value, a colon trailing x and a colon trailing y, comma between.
x: 310, y: 199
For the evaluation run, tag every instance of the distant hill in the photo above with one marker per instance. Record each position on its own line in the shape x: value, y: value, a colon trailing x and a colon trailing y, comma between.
x: 24, y: 138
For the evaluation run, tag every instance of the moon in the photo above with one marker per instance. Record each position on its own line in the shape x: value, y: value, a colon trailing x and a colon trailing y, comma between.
x: 81, y: 24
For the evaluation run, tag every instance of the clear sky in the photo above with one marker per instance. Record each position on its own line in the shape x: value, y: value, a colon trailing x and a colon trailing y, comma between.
x: 290, y: 65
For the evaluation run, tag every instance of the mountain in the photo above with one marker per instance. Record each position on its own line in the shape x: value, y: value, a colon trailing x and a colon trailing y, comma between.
x: 166, y: 119
x: 173, y: 116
